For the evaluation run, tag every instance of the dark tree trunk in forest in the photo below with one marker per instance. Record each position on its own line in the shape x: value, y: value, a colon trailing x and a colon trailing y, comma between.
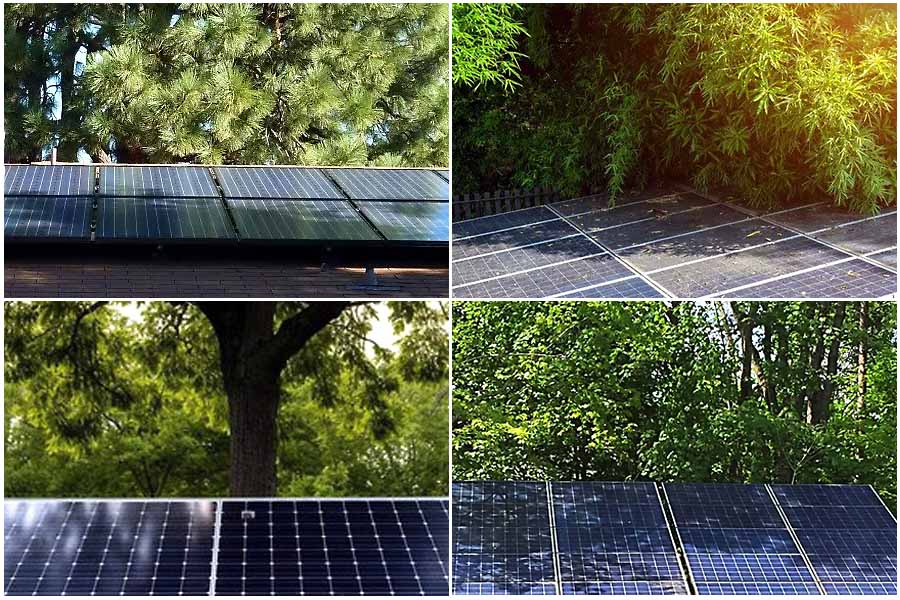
x: 862, y: 356
x: 252, y: 355
x: 745, y: 328
x: 67, y: 150
x: 819, y: 403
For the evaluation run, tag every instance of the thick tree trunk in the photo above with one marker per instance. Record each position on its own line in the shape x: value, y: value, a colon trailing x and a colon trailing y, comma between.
x: 253, y: 411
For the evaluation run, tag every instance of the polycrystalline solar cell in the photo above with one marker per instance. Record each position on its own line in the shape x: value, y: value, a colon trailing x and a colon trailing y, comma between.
x: 47, y: 217
x: 162, y: 219
x: 391, y: 184
x: 157, y: 181
x: 870, y: 588
x: 409, y: 221
x: 746, y: 588
x: 630, y: 288
x: 749, y: 567
x: 826, y: 517
x: 624, y: 588
x: 299, y: 221
x: 504, y: 589
x: 886, y: 257
x: 646, y: 214
x: 532, y: 235
x: 493, y: 223
x: 693, y: 494
x: 48, y: 180
x: 835, y: 541
x: 606, y: 503
x: 850, y: 279
x: 825, y: 495
x: 349, y: 547
x: 718, y: 516
x: 108, y: 548
x: 737, y: 541
x: 502, y: 538
x: 276, y: 182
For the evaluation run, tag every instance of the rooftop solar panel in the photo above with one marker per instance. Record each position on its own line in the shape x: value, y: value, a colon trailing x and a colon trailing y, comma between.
x: 163, y: 219
x: 299, y: 221
x: 848, y: 534
x: 276, y: 182
x: 502, y: 538
x: 108, y: 548
x: 62, y: 218
x: 157, y: 181
x: 409, y: 221
x: 352, y: 548
x: 391, y: 184
x: 48, y: 180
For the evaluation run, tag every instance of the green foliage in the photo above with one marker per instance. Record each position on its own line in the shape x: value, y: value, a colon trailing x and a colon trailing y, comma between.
x: 126, y: 401
x: 484, y: 41
x: 780, y: 101
x: 234, y: 83
x: 634, y: 391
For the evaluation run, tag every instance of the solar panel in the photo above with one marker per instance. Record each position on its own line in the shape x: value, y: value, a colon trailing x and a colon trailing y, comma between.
x: 848, y: 534
x: 299, y: 221
x: 47, y: 217
x: 157, y: 181
x: 409, y: 221
x: 502, y: 538
x: 163, y: 219
x: 340, y: 547
x: 48, y: 180
x: 735, y: 541
x: 391, y: 184
x: 444, y: 173
x: 613, y: 538
x: 108, y: 548
x: 276, y: 182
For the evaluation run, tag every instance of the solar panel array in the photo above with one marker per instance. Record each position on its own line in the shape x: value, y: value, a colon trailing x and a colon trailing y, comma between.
x: 650, y: 539
x: 282, y: 547
x: 674, y: 245
x: 257, y: 205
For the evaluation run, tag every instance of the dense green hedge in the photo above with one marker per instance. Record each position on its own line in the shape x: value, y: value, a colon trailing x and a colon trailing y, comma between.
x: 779, y: 101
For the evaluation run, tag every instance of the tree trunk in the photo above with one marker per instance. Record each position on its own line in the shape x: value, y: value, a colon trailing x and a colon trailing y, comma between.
x: 745, y: 328
x: 820, y: 400
x: 252, y: 417
x: 862, y: 356
x: 67, y: 150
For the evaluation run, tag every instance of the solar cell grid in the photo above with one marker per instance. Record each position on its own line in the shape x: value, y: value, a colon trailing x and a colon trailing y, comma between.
x: 847, y: 279
x: 163, y: 219
x: 391, y: 184
x: 745, y: 588
x: 157, y: 181
x: 276, y: 182
x: 48, y: 180
x: 299, y: 221
x: 409, y: 221
x: 629, y: 288
x: 625, y: 588
x: 501, y: 222
x: 47, y: 217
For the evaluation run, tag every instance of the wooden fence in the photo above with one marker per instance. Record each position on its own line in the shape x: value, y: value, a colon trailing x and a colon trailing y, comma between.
x: 469, y: 206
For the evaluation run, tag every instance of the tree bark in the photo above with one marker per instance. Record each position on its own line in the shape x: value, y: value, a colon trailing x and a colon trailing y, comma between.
x: 252, y: 355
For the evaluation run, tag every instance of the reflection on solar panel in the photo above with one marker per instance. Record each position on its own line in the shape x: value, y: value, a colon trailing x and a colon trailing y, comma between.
x: 409, y: 221
x: 391, y: 184
x: 157, y: 181
x: 299, y: 220
x: 48, y: 217
x: 163, y: 219
x: 333, y: 548
x: 848, y: 535
x: 680, y: 245
x: 616, y: 538
x: 48, y: 180
x: 276, y: 182
x: 613, y: 538
x: 108, y: 548
x: 502, y: 539
x: 284, y: 547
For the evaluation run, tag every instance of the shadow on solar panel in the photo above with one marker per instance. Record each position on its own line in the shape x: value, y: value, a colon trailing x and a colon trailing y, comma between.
x: 599, y: 538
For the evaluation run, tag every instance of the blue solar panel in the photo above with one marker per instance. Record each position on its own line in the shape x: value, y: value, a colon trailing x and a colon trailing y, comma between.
x: 48, y: 180
x: 47, y: 218
x: 157, y: 181
x: 502, y: 538
x: 849, y: 536
x: 108, y: 548
x: 623, y: 588
x: 781, y: 588
x: 276, y: 182
x: 351, y: 548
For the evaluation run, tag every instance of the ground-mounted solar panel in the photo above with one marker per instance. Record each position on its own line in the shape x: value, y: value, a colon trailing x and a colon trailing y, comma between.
x: 390, y: 184
x: 48, y: 180
x: 848, y: 534
x: 613, y: 538
x: 299, y: 221
x: 47, y: 218
x: 409, y: 221
x: 163, y: 220
x: 276, y: 182
x: 335, y: 547
x: 502, y: 539
x: 735, y: 540
x: 108, y: 548
x: 157, y: 181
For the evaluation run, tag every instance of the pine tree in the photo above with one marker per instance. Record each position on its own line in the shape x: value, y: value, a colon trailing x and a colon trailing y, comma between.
x: 255, y: 83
